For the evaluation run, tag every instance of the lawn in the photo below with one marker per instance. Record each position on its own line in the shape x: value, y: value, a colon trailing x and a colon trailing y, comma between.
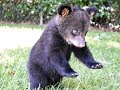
x: 105, y: 47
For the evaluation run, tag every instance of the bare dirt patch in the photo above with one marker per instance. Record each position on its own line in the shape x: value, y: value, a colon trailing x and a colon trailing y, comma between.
x: 18, y: 38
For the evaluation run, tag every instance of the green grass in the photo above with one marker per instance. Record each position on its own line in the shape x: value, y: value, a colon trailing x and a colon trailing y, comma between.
x: 105, y: 47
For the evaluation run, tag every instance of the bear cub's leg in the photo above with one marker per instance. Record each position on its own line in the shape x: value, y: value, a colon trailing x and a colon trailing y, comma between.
x: 86, y: 57
x: 37, y: 78
x: 61, y: 65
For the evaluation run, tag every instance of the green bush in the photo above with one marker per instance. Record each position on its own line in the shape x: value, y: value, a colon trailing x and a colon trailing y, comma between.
x: 29, y: 10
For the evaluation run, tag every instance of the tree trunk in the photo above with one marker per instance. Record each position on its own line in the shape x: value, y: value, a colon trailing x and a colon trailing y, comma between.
x: 41, y: 18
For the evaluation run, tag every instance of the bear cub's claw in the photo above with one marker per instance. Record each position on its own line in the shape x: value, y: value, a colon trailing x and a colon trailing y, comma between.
x: 71, y: 74
x: 97, y: 66
x: 74, y: 74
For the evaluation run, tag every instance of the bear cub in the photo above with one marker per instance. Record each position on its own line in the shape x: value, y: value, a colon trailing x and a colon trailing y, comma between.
x: 49, y: 57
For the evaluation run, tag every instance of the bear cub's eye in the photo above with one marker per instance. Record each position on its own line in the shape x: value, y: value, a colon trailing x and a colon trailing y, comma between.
x: 75, y: 32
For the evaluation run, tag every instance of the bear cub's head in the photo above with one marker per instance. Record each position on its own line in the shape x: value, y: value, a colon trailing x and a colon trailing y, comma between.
x: 72, y: 23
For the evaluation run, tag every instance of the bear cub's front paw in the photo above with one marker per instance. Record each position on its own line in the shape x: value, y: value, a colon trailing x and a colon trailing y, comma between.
x: 96, y: 65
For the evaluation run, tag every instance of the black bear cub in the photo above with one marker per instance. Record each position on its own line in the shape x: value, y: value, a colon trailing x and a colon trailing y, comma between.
x: 65, y: 33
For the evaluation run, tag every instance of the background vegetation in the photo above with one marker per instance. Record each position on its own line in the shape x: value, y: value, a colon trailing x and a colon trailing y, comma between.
x: 32, y: 10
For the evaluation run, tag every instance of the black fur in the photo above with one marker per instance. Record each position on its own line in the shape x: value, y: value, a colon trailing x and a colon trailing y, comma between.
x: 63, y: 6
x: 48, y: 60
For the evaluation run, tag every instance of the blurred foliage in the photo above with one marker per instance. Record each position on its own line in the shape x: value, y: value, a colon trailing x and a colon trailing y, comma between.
x: 29, y: 10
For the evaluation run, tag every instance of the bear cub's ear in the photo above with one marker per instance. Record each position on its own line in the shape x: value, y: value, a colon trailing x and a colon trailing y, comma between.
x: 64, y: 10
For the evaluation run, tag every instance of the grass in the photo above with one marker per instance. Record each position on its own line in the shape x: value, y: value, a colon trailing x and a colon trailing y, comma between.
x: 105, y: 47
